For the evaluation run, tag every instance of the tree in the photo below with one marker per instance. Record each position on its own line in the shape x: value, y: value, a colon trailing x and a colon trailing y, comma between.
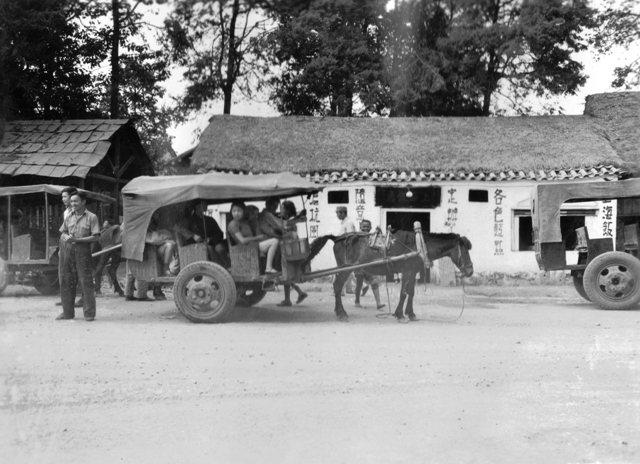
x: 425, y: 79
x: 620, y: 26
x: 523, y: 46
x: 218, y: 45
x: 46, y: 59
x: 331, y: 56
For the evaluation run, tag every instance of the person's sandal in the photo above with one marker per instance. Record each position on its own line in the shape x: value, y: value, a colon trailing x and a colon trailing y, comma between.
x: 284, y: 303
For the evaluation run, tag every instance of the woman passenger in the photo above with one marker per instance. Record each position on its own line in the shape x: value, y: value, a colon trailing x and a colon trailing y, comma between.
x: 240, y: 232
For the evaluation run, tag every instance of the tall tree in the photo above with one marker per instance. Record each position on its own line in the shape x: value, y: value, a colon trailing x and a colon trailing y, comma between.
x: 330, y: 53
x: 620, y: 26
x: 46, y: 59
x: 218, y: 44
x: 523, y: 46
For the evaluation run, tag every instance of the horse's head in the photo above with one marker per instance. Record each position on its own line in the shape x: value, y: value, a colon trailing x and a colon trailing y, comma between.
x: 460, y: 256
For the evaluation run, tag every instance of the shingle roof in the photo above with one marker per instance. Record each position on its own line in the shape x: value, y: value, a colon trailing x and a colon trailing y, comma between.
x: 394, y: 149
x: 56, y: 148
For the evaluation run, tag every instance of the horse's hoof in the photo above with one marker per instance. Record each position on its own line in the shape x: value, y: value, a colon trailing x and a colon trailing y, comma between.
x: 401, y: 318
x: 343, y: 318
x: 413, y: 318
x: 357, y: 305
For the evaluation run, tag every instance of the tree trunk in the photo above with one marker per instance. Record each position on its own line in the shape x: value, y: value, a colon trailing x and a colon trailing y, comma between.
x: 231, y: 60
x: 115, y: 62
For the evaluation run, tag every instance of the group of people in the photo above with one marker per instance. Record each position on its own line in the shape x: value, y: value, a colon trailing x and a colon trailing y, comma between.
x: 80, y: 232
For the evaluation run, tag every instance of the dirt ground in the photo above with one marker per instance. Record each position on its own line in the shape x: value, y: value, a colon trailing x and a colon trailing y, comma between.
x: 526, y: 375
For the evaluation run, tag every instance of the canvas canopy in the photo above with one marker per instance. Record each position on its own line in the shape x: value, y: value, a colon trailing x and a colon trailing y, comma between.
x: 144, y: 195
x: 52, y: 189
x: 547, y: 199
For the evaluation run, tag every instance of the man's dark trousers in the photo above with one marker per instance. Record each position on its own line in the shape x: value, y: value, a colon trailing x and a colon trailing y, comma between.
x: 76, y: 260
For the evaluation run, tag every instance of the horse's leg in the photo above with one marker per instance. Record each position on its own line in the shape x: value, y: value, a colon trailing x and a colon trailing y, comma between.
x: 338, y: 283
x: 411, y: 290
x: 403, y: 295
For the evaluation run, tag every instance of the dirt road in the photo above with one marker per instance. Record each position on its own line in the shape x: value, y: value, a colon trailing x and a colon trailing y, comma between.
x: 529, y: 382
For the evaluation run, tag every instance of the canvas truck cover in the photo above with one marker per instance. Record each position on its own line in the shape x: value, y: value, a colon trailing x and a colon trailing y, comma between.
x: 144, y: 195
x: 51, y: 189
x: 547, y: 199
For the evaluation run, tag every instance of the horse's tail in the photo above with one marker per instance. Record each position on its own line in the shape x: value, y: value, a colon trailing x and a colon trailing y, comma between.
x: 316, y: 246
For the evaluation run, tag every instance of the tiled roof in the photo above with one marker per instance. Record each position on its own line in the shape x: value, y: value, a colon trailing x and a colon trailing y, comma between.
x: 403, y: 176
x: 56, y: 148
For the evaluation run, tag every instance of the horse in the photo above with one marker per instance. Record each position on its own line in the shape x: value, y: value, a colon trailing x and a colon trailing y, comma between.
x: 353, y: 248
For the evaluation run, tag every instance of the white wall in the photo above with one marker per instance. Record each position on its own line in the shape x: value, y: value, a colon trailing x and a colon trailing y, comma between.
x: 490, y: 226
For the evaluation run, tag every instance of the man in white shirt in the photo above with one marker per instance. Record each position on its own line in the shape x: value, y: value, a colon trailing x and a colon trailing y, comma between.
x: 346, y: 224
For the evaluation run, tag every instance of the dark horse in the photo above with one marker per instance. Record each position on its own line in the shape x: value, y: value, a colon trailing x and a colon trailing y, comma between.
x: 354, y: 248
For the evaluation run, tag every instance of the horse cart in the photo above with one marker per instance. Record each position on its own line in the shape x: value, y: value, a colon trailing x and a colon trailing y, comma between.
x: 30, y: 219
x: 203, y: 290
x: 607, y: 271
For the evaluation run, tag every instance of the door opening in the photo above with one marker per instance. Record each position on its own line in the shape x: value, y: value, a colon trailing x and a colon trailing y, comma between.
x: 403, y: 220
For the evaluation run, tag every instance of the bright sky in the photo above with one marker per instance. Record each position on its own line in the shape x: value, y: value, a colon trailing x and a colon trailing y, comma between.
x: 599, y: 72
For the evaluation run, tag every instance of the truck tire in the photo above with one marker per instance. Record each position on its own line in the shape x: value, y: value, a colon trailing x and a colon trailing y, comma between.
x: 204, y: 292
x: 4, y: 275
x: 578, y: 283
x: 612, y: 280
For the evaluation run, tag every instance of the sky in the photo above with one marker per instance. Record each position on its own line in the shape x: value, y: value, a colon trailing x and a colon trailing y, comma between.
x: 598, y: 69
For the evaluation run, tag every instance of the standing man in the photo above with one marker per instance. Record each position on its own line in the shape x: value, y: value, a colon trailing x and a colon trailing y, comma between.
x: 66, y: 201
x: 346, y: 227
x: 346, y: 224
x: 361, y: 275
x: 79, y: 230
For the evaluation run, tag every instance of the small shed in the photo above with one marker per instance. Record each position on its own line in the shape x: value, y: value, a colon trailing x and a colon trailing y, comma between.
x: 100, y: 155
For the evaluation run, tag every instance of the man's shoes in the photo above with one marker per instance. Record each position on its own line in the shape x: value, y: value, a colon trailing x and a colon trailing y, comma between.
x: 284, y: 303
x: 301, y: 297
x: 130, y: 298
x: 63, y: 317
x: 89, y: 319
x: 160, y: 296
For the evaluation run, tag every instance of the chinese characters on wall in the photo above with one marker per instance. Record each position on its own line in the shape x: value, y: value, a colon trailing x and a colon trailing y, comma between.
x: 607, y: 218
x: 312, y: 216
x: 498, y: 222
x: 360, y: 202
x: 452, y: 210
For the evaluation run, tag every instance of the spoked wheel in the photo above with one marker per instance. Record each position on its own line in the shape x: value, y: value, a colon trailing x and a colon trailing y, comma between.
x: 204, y: 292
x: 250, y: 296
x: 579, y: 285
x: 47, y: 283
x: 612, y: 280
x: 4, y: 275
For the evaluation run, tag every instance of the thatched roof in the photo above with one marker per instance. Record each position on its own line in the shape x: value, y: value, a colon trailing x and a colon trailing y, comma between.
x: 619, y: 114
x: 540, y: 147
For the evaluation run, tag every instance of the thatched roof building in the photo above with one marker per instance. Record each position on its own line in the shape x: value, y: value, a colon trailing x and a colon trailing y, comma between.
x: 619, y: 114
x: 435, y: 148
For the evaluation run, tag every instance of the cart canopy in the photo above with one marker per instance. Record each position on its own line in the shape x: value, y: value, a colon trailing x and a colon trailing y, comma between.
x: 546, y: 200
x: 144, y: 195
x: 52, y: 189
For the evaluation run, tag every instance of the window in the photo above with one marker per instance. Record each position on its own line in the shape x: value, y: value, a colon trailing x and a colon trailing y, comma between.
x: 396, y: 197
x: 570, y: 220
x: 479, y: 196
x: 338, y: 196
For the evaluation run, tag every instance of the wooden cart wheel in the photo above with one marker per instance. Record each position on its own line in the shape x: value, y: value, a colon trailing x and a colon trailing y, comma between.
x: 47, y: 283
x: 4, y: 275
x: 612, y: 280
x: 204, y: 292
x: 250, y: 296
x: 579, y: 285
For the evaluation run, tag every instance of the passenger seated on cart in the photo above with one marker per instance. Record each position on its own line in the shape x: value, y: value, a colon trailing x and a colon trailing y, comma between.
x: 200, y: 228
x: 252, y: 212
x: 239, y: 232
x: 166, y: 247
x: 269, y: 223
